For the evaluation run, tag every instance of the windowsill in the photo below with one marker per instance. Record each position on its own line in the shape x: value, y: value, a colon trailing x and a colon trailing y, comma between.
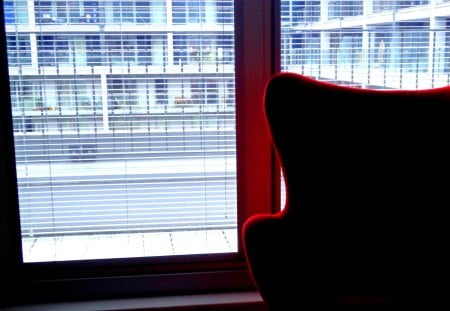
x: 248, y: 301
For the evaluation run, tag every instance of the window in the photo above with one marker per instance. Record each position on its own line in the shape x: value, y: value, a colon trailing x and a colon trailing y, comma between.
x: 136, y: 12
x: 185, y: 81
x: 94, y: 87
x: 189, y: 12
x: 18, y: 50
x: 161, y: 92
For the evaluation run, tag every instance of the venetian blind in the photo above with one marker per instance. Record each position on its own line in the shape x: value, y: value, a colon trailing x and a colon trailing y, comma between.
x: 124, y: 122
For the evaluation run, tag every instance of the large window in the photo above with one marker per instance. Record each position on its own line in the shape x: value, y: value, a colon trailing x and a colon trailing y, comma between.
x: 128, y: 145
x: 133, y: 142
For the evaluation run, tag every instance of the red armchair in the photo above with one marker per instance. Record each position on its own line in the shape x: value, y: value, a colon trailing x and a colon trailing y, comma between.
x: 367, y: 176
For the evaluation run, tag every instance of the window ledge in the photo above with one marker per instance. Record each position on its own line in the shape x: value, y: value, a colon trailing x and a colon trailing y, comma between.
x: 248, y: 301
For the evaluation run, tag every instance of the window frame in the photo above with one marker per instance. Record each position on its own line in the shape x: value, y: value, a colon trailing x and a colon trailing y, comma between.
x: 257, y: 190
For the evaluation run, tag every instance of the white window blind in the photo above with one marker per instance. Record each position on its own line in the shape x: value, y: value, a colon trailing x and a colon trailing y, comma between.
x: 124, y: 127
x: 369, y: 44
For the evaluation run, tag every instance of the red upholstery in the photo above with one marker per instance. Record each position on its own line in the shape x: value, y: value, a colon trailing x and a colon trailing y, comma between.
x: 367, y: 176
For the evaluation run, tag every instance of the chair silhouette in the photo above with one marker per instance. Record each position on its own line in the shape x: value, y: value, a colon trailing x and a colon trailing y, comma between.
x: 367, y: 179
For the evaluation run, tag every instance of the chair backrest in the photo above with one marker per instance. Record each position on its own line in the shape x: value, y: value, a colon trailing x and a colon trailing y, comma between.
x: 367, y: 175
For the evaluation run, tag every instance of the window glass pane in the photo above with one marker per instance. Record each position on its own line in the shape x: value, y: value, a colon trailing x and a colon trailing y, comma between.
x: 124, y: 127
x: 369, y: 44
